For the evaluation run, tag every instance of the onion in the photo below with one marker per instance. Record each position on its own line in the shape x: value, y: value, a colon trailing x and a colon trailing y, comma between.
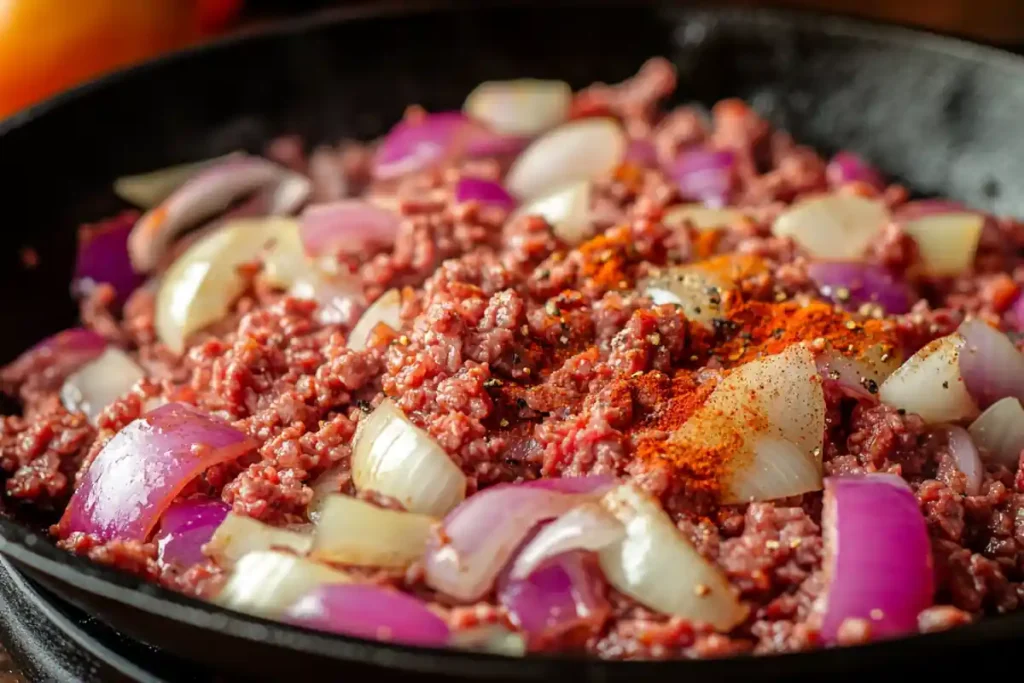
x: 521, y: 107
x: 328, y: 483
x: 267, y: 583
x: 239, y: 535
x: 968, y: 460
x: 562, y: 595
x: 768, y: 418
x: 391, y: 455
x: 485, y: 192
x: 587, y: 527
x: 704, y: 175
x: 861, y: 376
x: 493, y: 639
x: 352, y: 531
x: 140, y: 471
x: 185, y: 527
x: 146, y: 190
x: 566, y: 210
x: 339, y: 296
x: 702, y: 217
x: 930, y: 384
x: 480, y: 536
x: 103, y: 258
x: 855, y: 284
x: 416, y: 144
x: 847, y: 167
x: 99, y: 383
x: 704, y: 294
x: 658, y: 568
x: 837, y: 227
x: 946, y: 243
x: 990, y: 364
x: 877, y: 555
x: 584, y: 149
x: 999, y: 432
x: 64, y: 352
x: 367, y: 611
x: 351, y: 226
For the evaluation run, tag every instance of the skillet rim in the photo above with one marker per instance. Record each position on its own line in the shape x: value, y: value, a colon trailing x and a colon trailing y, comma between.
x: 36, y: 551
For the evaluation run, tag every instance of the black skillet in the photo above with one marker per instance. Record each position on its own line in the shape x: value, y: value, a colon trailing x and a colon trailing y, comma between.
x: 945, y: 116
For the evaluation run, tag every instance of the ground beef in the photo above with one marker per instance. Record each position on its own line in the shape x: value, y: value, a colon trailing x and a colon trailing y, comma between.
x: 523, y: 356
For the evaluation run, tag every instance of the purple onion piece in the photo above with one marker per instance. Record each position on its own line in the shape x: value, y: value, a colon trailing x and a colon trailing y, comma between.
x: 854, y: 284
x: 705, y: 175
x: 103, y: 257
x: 420, y: 143
x: 966, y: 456
x: 186, y: 526
x: 847, y: 167
x: 485, y: 192
x: 990, y: 364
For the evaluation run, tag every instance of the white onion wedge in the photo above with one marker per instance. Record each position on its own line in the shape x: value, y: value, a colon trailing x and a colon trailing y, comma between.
x: 946, y: 242
x: 384, y: 311
x: 352, y: 531
x: 99, y: 383
x: 587, y: 527
x: 521, y: 107
x: 836, y: 227
x: 146, y: 190
x: 656, y: 566
x: 391, y: 455
x: 579, y: 150
x: 239, y: 535
x: 566, y: 210
x: 860, y: 375
x: 930, y: 384
x: 999, y: 432
x: 702, y: 293
x: 702, y: 217
x: 266, y: 583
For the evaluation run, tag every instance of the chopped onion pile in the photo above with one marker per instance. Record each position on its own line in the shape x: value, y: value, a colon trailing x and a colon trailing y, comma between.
x: 99, y: 383
x: 522, y: 107
x: 991, y: 366
x: 238, y: 535
x: 854, y: 284
x: 859, y: 376
x: 351, y: 226
x: 847, y: 167
x: 140, y: 471
x: 704, y: 175
x: 147, y: 190
x: 999, y: 432
x: 267, y: 583
x: 566, y: 210
x: 487, y: 192
x: 587, y: 527
x: 702, y: 217
x: 946, y: 242
x: 930, y: 384
x: 656, y: 566
x: 103, y: 258
x: 837, y: 227
x: 391, y: 455
x: 186, y: 527
x: 877, y: 555
x: 354, y: 532
x: 968, y: 460
x: 580, y: 150
x: 703, y: 293
x: 768, y: 417
x: 384, y: 311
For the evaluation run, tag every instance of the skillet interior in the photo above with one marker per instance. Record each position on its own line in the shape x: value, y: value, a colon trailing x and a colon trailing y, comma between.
x: 940, y: 114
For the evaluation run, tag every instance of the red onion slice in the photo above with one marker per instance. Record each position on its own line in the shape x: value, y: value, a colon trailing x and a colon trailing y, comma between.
x: 853, y: 284
x: 485, y: 192
x: 564, y: 594
x: 587, y: 527
x: 847, y: 167
x: 930, y: 384
x: 61, y: 353
x: 481, y: 534
x: 146, y: 190
x: 593, y: 483
x: 139, y: 472
x: 705, y: 175
x: 1000, y: 432
x: 968, y: 460
x: 878, y: 557
x: 185, y: 527
x: 103, y: 257
x: 419, y: 143
x: 351, y: 226
x: 99, y: 383
x: 371, y: 612
x: 990, y: 364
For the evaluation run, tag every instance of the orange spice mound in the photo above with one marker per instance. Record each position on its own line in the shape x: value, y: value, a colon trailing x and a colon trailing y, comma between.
x: 604, y: 258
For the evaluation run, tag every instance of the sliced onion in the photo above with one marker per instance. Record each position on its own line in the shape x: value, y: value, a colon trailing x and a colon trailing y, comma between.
x: 239, y: 535
x: 417, y: 144
x: 990, y: 364
x: 566, y: 210
x: 352, y: 531
x: 854, y: 284
x: 266, y: 583
x: 483, y: 191
x: 704, y: 175
x: 703, y: 293
x: 768, y: 417
x: 859, y: 376
x: 587, y: 527
x: 877, y: 555
x: 480, y: 536
x: 65, y: 352
x: 562, y: 595
x: 391, y: 455
x: 837, y: 227
x: 947, y: 242
x: 521, y: 107
x: 592, y: 483
x: 999, y: 432
x: 658, y: 568
x: 847, y: 167
x: 325, y: 485
x: 968, y: 460
x: 185, y: 527
x: 368, y: 611
x: 702, y: 217
x: 930, y: 384
x: 103, y: 258
x: 493, y: 639
x: 584, y: 149
x: 146, y: 190
x: 142, y: 469
x: 351, y: 226
x: 99, y: 383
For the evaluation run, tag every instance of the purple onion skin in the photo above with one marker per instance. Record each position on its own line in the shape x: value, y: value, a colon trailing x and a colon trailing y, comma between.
x: 103, y: 257
x: 186, y: 526
x: 414, y: 145
x: 847, y: 167
x: 862, y: 283
x: 990, y: 364
x: 705, y: 175
x: 484, y: 191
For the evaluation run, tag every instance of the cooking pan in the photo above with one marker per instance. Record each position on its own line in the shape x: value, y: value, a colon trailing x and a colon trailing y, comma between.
x: 942, y: 115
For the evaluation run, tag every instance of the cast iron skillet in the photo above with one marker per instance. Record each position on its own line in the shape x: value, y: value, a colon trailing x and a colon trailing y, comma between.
x: 943, y: 115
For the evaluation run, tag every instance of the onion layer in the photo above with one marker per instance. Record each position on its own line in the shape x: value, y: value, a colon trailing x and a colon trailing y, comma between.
x: 99, y: 383
x: 836, y: 227
x: 946, y: 242
x: 587, y: 527
x: 349, y: 225
x: 878, y: 556
x: 417, y: 144
x: 354, y: 532
x: 999, y: 432
x: 705, y: 175
x: 847, y: 167
x: 61, y: 353
x: 566, y: 210
x: 521, y: 107
x: 103, y: 258
x: 146, y: 190
x: 703, y: 294
x: 186, y: 526
x: 140, y: 471
x: 854, y: 284
x: 384, y: 311
x: 393, y: 456
x: 930, y: 384
x: 484, y: 191
x: 238, y: 535
x: 267, y: 583
x: 859, y: 376
x: 991, y: 366
x: 968, y: 460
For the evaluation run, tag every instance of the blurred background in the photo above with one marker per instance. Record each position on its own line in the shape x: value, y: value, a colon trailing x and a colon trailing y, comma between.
x: 49, y: 45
